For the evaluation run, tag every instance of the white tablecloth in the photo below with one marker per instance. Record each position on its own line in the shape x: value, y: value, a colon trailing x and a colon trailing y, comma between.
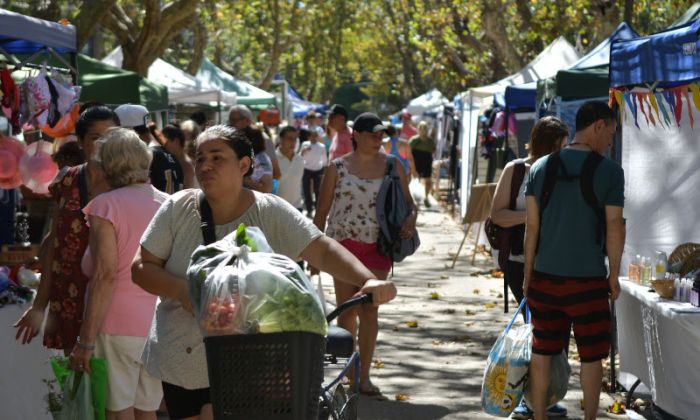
x: 22, y: 369
x: 659, y: 343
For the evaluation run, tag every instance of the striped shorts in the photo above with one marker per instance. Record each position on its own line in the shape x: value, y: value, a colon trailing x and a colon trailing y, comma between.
x: 557, y: 303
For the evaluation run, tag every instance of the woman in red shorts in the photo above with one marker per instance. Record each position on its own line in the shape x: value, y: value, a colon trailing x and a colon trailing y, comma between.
x: 349, y: 193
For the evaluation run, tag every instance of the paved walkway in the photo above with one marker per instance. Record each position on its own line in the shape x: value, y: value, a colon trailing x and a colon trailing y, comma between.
x: 440, y: 363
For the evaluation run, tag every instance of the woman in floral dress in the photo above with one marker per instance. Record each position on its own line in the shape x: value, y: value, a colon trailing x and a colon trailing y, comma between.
x: 63, y: 284
x: 349, y: 194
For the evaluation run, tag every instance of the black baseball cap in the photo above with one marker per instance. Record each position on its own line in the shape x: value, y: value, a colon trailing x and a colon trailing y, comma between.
x: 338, y: 109
x: 368, y: 122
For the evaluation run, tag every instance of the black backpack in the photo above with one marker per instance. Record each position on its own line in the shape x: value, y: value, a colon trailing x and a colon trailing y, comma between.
x: 552, y: 176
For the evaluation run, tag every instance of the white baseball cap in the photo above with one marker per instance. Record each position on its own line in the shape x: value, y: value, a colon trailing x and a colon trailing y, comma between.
x: 131, y: 115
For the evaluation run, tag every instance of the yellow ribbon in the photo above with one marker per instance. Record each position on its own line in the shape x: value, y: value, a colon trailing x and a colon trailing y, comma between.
x: 654, y: 104
x: 695, y: 89
x: 619, y: 97
x: 651, y: 114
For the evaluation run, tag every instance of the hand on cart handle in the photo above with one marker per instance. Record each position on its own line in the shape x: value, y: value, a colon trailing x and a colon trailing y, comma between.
x: 382, y: 291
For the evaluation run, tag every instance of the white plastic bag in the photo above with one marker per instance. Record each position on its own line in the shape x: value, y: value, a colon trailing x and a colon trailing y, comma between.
x: 417, y: 190
x: 506, y: 370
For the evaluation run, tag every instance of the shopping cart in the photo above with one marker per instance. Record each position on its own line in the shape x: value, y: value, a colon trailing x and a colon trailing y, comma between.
x: 279, y: 376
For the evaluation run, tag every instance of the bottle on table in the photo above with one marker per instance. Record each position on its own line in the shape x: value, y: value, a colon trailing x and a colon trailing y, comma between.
x: 695, y: 294
x: 646, y: 271
x: 660, y: 265
x: 633, y: 270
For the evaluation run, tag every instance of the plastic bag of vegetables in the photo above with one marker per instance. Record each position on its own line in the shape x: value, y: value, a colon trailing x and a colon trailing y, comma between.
x: 239, y: 286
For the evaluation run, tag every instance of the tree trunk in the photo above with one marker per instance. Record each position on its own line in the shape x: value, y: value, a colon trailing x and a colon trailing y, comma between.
x: 142, y: 46
x: 629, y: 9
x: 199, y: 33
x: 88, y: 20
x: 506, y: 59
x: 609, y: 18
x: 525, y: 13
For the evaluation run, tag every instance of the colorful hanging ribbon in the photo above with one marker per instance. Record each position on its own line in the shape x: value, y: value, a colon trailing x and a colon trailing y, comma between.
x: 652, y: 101
x: 690, y: 108
x: 695, y: 90
x: 645, y: 98
x: 632, y: 105
x: 679, y: 105
x: 640, y: 101
x: 620, y: 98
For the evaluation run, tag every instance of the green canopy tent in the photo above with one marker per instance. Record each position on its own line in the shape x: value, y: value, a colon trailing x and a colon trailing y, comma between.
x: 246, y: 94
x: 575, y: 83
x: 111, y: 85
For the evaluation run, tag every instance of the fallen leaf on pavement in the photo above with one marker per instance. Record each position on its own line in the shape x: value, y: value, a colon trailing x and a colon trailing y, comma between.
x: 468, y: 324
x: 396, y: 328
x: 496, y: 273
x: 434, y: 296
x: 462, y: 339
x: 469, y: 312
x: 444, y: 277
x: 476, y: 291
x: 432, y: 285
x: 489, y: 305
x: 449, y: 311
x: 500, y: 295
x: 438, y: 342
x: 402, y: 397
x: 378, y: 364
x: 412, y: 324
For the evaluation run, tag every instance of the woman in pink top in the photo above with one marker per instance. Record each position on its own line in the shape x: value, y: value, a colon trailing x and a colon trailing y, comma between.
x: 118, y: 313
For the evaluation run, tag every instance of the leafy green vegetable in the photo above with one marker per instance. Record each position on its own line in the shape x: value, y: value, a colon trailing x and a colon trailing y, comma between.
x: 242, y: 238
x: 289, y: 309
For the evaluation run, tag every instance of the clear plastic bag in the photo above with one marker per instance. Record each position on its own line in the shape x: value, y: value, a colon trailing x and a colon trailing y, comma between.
x: 235, y: 290
x: 276, y: 296
x: 77, y: 398
x: 506, y: 370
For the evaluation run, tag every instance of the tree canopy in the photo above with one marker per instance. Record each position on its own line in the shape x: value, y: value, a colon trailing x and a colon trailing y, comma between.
x: 400, y: 48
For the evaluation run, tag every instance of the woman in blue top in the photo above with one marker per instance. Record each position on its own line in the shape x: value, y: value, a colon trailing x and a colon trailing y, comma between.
x: 401, y: 149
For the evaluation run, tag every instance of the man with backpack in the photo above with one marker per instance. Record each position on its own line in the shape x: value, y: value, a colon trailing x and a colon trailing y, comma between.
x: 574, y: 202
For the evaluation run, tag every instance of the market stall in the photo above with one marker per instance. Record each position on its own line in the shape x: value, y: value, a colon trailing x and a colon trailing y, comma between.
x: 24, y: 41
x: 430, y: 101
x: 182, y: 87
x: 585, y: 79
x: 659, y: 107
x: 111, y: 85
x: 475, y: 101
x: 246, y: 94
x: 660, y: 146
x: 660, y: 345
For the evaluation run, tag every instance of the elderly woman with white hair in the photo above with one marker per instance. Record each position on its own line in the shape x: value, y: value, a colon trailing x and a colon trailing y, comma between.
x: 118, y: 313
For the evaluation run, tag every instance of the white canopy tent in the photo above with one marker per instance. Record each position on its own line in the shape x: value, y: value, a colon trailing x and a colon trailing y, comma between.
x: 182, y: 87
x: 558, y: 55
x: 428, y: 101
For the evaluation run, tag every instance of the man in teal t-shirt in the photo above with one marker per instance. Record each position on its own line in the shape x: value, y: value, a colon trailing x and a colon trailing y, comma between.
x: 566, y: 280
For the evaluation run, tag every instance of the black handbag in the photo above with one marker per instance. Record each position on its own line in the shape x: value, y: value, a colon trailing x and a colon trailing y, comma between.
x: 505, y: 239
